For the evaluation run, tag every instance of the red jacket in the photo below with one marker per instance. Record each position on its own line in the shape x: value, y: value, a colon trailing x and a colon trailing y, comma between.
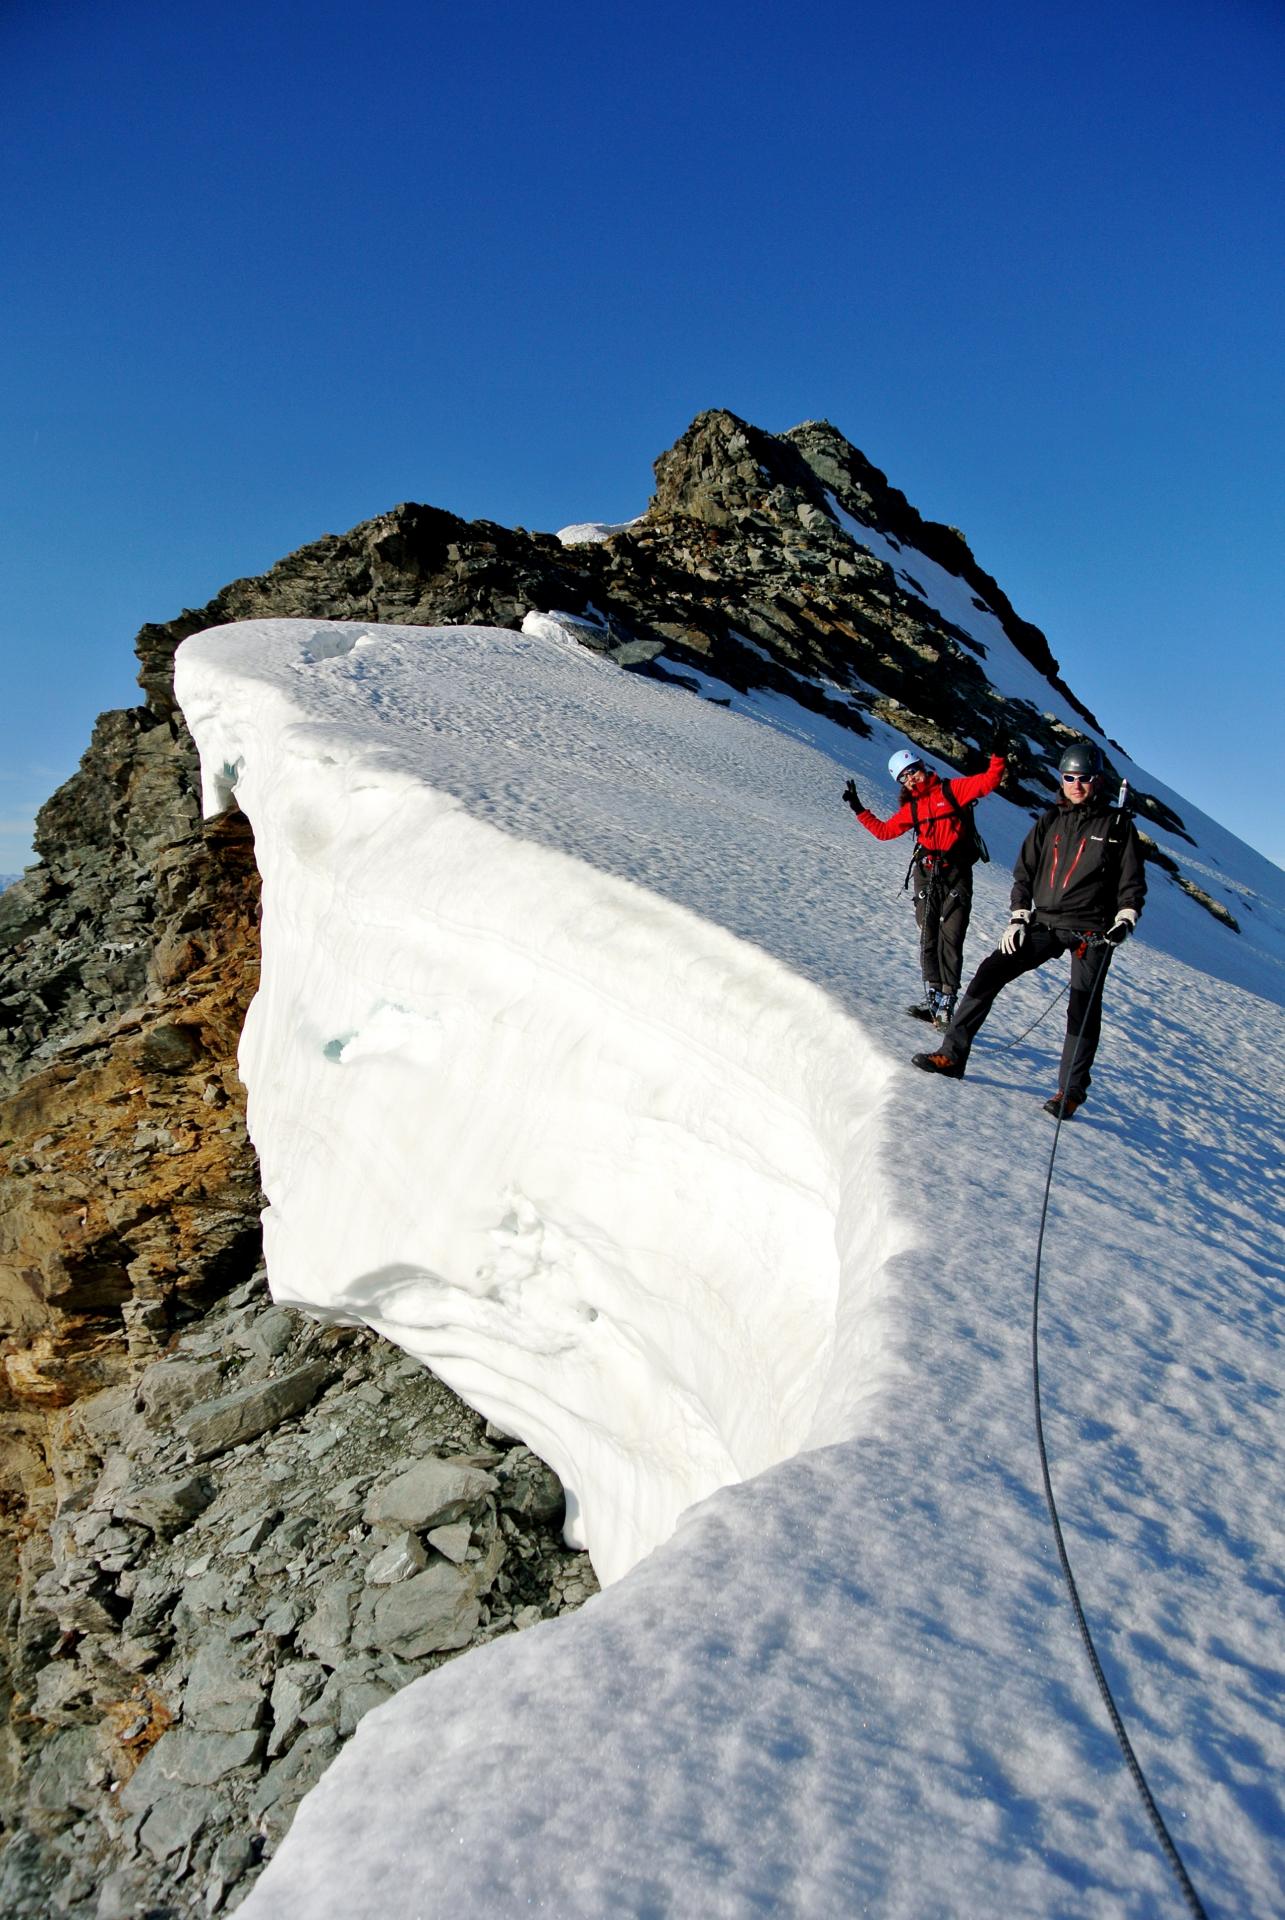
x: 939, y: 825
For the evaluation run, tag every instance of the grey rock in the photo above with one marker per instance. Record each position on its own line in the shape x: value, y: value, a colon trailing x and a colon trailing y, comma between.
x: 186, y: 1758
x: 231, y: 1861
x: 91, y: 1526
x: 223, y: 1693
x: 529, y: 1489
x: 175, y: 1821
x: 431, y: 1494
x: 485, y: 1568
x: 326, y: 1632
x: 359, y: 1699
x: 123, y: 1894
x: 402, y: 1557
x: 253, y: 1536
x: 200, y: 1597
x: 284, y: 1544
x: 452, y: 1542
x: 248, y: 1290
x: 270, y: 1333
x: 166, y: 1506
x: 154, y: 1595
x: 99, y: 1655
x: 436, y: 1610
x: 347, y: 1494
x: 323, y: 1711
x: 64, y: 1694
x: 136, y: 1653
x: 251, y: 1410
x: 282, y: 1620
x: 118, y: 1548
x: 108, y: 1418
x: 80, y: 1612
x: 301, y: 1768
x: 170, y: 1387
x: 293, y: 1692
x: 67, y: 1779
x: 22, y: 1880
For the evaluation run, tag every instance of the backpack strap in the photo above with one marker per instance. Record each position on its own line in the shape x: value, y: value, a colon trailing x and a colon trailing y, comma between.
x: 970, y: 840
x: 914, y: 828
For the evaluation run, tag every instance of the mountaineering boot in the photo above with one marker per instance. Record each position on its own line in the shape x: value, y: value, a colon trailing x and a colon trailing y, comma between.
x: 1063, y: 1105
x: 926, y: 1009
x: 938, y: 1063
x: 943, y: 1010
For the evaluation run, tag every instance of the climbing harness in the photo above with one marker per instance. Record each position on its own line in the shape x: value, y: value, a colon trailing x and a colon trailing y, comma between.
x: 1162, y: 1833
x: 1123, y: 806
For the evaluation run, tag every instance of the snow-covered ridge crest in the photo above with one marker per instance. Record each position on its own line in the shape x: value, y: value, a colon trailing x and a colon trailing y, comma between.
x: 522, y: 1103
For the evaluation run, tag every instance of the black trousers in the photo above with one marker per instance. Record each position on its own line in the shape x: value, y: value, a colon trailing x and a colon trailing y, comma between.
x: 943, y: 903
x: 1084, y: 1009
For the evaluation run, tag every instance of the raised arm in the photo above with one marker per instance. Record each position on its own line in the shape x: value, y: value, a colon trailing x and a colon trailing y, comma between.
x: 881, y: 829
x: 975, y: 786
x: 885, y: 829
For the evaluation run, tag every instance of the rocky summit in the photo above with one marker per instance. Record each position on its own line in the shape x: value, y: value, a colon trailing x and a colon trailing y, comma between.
x: 225, y: 1531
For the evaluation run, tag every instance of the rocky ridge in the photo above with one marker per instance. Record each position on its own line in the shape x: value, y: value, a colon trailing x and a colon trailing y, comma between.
x: 260, y: 1536
x: 129, y: 1194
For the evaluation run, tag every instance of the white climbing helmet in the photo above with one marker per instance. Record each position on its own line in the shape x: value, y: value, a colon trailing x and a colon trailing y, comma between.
x: 902, y: 761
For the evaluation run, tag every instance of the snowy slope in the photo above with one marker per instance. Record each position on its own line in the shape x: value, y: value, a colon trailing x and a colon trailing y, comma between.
x: 578, y: 1067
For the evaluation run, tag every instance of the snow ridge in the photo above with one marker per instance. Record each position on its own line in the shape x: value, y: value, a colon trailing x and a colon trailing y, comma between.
x: 556, y: 958
x: 598, y: 1162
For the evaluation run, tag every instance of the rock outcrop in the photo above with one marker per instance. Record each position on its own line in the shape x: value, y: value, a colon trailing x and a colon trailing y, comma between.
x: 172, y: 1447
x: 252, y: 1540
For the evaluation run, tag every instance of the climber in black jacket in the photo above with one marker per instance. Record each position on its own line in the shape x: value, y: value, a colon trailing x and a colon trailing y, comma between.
x: 1078, y: 887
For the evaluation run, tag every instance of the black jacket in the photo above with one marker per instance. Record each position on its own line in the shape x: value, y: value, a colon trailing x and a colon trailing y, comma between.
x: 1078, y: 867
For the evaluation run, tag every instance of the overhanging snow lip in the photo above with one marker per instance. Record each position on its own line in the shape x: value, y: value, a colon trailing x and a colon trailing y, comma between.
x: 783, y: 1051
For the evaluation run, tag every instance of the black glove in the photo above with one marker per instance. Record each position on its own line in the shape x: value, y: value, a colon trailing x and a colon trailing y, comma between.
x: 1121, y: 927
x: 851, y: 798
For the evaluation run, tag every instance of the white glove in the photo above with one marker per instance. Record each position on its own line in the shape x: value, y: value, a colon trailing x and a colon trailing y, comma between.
x: 1122, y: 926
x: 1015, y: 932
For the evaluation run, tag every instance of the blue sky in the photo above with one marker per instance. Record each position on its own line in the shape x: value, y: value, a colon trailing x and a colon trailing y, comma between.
x: 272, y: 268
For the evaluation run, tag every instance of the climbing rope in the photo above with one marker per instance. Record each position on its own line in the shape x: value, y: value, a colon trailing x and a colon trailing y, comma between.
x: 1162, y: 1833
x: 1064, y: 988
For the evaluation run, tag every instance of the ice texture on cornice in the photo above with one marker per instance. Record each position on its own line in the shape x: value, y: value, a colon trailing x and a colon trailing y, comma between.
x: 535, y: 1090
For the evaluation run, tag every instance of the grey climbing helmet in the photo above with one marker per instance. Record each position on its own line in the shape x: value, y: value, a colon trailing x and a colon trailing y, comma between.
x: 1082, y: 758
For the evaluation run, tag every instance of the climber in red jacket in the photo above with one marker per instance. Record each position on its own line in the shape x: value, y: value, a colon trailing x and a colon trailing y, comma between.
x: 947, y: 846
